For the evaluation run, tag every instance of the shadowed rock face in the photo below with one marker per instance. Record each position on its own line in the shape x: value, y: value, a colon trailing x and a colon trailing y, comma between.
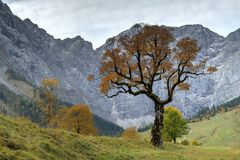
x: 35, y: 54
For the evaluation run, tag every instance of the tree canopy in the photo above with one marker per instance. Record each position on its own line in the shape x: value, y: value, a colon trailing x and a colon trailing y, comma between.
x: 136, y: 64
x: 78, y: 119
x: 174, y: 124
x: 148, y: 57
x: 47, y: 98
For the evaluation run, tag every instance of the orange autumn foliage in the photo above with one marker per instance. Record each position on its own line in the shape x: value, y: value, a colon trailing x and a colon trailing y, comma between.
x: 130, y: 133
x: 48, y: 100
x: 78, y: 119
x: 147, y: 57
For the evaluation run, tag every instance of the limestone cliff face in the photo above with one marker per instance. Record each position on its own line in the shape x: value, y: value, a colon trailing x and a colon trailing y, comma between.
x: 223, y: 85
x: 35, y: 54
x: 203, y: 91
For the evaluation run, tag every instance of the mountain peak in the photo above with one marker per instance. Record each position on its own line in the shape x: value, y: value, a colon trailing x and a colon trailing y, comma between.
x: 205, y: 36
x: 234, y: 36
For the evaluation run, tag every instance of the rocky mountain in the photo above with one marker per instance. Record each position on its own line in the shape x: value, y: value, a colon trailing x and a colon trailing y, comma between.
x: 202, y: 89
x: 34, y: 54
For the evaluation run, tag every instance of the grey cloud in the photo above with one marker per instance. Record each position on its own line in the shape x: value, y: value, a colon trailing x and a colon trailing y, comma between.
x: 97, y: 20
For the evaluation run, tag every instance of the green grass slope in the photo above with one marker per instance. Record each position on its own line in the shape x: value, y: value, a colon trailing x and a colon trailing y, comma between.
x: 23, y: 140
x: 218, y: 131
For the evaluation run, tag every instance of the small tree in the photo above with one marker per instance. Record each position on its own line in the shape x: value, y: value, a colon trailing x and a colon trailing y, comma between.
x: 174, y: 124
x: 130, y: 133
x: 78, y: 118
x: 135, y: 64
x: 47, y: 98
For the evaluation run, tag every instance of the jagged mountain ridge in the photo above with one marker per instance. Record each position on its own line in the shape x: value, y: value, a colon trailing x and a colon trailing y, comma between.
x: 35, y: 54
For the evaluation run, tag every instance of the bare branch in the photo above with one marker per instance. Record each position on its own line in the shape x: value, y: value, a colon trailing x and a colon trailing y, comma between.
x: 114, y: 95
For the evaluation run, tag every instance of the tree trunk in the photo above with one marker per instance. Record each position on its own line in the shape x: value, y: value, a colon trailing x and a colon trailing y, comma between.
x: 49, y: 114
x: 157, y: 126
x: 78, y: 130
x: 174, y: 140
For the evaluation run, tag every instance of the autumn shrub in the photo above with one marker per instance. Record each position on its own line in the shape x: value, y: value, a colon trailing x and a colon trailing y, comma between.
x: 130, y: 133
x: 47, y: 101
x: 196, y: 143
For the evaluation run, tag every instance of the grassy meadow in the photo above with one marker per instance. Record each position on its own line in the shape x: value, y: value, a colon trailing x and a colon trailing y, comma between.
x: 23, y: 140
x: 218, y: 131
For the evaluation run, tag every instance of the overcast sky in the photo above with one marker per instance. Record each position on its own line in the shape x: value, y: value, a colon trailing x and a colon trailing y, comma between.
x: 97, y: 20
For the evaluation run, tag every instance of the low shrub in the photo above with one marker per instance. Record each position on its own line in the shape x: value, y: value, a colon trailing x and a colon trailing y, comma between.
x: 196, y: 143
x: 131, y: 133
x: 184, y: 142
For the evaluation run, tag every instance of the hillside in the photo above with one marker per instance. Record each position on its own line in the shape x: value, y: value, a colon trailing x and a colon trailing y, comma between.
x: 22, y: 140
x: 218, y: 131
